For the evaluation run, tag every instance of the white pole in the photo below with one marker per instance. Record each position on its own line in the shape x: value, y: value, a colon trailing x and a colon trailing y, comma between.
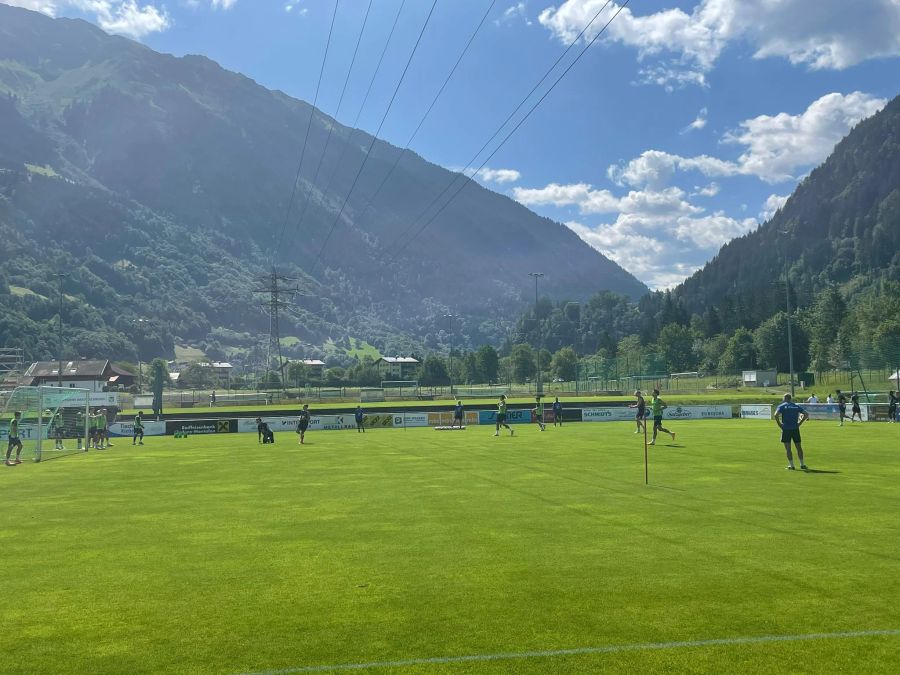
x: 40, y: 430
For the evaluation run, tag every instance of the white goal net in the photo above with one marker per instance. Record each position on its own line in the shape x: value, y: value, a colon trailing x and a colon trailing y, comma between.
x: 41, y: 423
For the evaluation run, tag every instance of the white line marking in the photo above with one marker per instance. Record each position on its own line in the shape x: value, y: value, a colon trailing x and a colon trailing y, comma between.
x: 577, y: 651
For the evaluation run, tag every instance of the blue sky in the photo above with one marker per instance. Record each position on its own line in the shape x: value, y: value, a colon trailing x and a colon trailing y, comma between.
x: 681, y: 128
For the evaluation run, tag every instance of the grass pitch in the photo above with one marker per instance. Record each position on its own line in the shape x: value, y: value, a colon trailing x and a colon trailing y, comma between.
x: 219, y: 555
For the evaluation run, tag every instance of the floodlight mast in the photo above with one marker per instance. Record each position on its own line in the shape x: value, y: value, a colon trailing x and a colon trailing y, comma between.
x: 59, y: 277
x: 539, y: 389
x: 787, y: 302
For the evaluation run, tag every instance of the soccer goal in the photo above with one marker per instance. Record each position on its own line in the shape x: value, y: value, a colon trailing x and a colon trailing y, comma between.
x: 400, y: 388
x: 50, y: 422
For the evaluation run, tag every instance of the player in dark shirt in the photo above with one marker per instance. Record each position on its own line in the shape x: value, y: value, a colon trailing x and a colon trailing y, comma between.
x: 856, y: 410
x: 303, y: 422
x: 557, y: 412
x: 640, y: 414
x: 789, y: 417
x: 892, y: 406
x: 842, y: 405
x: 360, y: 417
x: 263, y: 433
x: 458, y: 414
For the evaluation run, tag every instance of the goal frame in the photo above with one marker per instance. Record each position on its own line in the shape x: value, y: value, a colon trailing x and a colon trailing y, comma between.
x: 53, y: 399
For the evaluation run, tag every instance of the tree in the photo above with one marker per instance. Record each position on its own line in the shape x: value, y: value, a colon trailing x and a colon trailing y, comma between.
x: 159, y: 374
x: 771, y: 344
x: 739, y: 352
x: 433, y: 371
x: 197, y: 376
x: 677, y: 346
x: 297, y: 373
x: 488, y: 363
x: 471, y: 371
x: 523, y: 364
x: 565, y: 364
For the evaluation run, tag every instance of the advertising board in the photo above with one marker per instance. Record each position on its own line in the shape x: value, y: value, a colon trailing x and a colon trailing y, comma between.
x: 756, y: 412
x: 126, y: 429
x: 518, y: 416
x: 617, y: 414
x: 196, y: 427
x: 698, y: 412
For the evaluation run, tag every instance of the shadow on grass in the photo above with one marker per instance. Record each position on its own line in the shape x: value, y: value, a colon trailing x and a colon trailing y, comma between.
x: 667, y: 487
x: 818, y: 471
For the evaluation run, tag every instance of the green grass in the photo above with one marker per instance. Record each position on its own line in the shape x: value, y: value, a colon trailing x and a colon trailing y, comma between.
x: 45, y: 170
x: 21, y: 291
x: 186, y: 353
x: 217, y: 555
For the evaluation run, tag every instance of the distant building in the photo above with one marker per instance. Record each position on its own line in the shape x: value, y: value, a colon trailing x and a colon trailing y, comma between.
x: 315, y: 369
x: 94, y: 374
x: 760, y: 378
x: 221, y: 370
x: 397, y: 367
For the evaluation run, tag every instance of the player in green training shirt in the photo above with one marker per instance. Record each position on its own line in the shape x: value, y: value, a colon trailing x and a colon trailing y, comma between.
x: 657, y: 406
x: 138, y: 430
x: 538, y: 412
x: 79, y: 426
x: 58, y: 430
x: 501, y: 416
x: 14, y: 440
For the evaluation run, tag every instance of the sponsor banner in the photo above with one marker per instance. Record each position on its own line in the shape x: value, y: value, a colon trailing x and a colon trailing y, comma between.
x: 126, y: 429
x: 202, y: 426
x: 697, y: 412
x: 331, y: 422
x: 411, y: 419
x: 100, y: 399
x: 517, y: 416
x: 377, y: 421
x: 248, y: 424
x: 618, y: 414
x: 756, y: 412
x: 830, y: 411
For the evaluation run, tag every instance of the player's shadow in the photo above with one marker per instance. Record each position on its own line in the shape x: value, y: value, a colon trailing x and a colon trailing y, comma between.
x: 818, y: 471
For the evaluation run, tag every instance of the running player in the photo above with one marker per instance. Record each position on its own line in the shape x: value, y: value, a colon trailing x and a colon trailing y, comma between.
x: 856, y: 411
x: 892, y: 406
x: 641, y: 413
x: 360, y: 418
x: 557, y: 412
x: 538, y: 412
x: 14, y: 440
x: 501, y: 416
x: 842, y: 406
x: 138, y: 429
x: 458, y: 415
x: 789, y: 416
x: 303, y: 422
x: 657, y: 405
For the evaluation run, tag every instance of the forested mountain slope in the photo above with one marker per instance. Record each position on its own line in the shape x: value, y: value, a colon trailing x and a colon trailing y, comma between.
x: 160, y: 186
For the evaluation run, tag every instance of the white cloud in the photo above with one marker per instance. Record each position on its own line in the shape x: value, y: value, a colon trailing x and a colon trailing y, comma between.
x: 710, y: 232
x: 771, y: 206
x: 776, y: 147
x: 43, y: 6
x: 222, y: 4
x: 513, y: 12
x: 835, y: 34
x: 294, y: 6
x: 124, y: 17
x: 698, y: 123
x: 582, y: 195
x: 779, y: 145
x: 499, y: 175
x: 710, y: 190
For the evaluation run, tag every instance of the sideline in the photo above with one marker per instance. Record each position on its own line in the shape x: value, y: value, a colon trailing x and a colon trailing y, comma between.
x: 611, y: 649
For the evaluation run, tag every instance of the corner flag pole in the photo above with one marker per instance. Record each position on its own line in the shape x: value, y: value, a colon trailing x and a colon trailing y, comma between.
x: 646, y: 470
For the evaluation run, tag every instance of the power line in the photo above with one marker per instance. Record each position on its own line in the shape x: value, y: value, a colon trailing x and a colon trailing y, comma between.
x: 467, y: 179
x: 502, y: 125
x: 312, y: 112
x: 365, y: 99
x: 374, y: 137
x: 334, y: 121
x: 430, y: 107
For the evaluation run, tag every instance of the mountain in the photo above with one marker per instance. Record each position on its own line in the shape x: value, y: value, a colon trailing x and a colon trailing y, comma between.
x: 840, y: 226
x: 160, y: 186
